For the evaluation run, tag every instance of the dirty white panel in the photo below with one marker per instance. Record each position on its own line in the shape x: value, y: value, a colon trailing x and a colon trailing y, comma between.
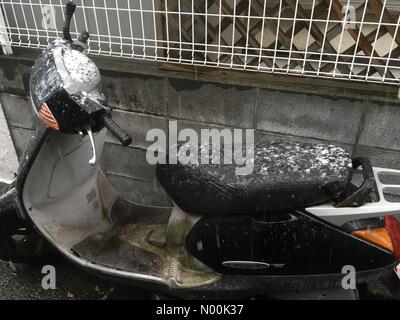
x: 8, y: 156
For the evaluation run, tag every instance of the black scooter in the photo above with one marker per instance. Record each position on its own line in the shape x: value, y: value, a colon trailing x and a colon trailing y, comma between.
x: 286, y: 228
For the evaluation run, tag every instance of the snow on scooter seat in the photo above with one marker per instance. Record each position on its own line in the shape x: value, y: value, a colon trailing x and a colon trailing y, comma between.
x: 286, y: 175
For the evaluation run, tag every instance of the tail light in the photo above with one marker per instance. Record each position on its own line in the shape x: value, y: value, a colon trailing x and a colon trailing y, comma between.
x: 392, y: 225
x: 387, y: 237
x: 47, y: 117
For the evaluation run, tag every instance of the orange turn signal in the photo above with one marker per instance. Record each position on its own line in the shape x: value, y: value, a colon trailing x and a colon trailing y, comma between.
x: 47, y: 117
x: 377, y: 236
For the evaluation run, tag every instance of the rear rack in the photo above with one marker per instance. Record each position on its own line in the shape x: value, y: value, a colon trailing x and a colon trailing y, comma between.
x: 380, y: 208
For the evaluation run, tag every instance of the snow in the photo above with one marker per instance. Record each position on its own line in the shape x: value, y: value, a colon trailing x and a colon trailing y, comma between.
x: 283, y: 161
x: 79, y: 66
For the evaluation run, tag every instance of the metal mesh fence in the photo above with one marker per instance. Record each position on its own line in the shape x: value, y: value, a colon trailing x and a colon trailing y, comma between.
x: 342, y: 39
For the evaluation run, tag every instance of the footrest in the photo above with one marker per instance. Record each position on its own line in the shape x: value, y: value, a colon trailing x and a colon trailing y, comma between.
x: 112, y: 249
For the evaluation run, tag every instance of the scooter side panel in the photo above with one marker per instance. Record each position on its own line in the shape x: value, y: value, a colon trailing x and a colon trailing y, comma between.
x: 282, y: 245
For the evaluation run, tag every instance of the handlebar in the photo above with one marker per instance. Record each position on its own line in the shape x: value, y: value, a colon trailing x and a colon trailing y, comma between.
x: 92, y: 107
x: 69, y: 12
x: 99, y: 115
x: 81, y: 44
x: 84, y: 37
x: 117, y: 131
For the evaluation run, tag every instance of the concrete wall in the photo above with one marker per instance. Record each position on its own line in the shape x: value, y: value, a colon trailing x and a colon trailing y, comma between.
x: 363, y: 126
x: 8, y: 156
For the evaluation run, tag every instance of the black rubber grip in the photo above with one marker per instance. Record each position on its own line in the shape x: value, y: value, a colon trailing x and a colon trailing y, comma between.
x: 81, y: 44
x: 84, y: 37
x: 69, y: 12
x: 70, y: 9
x: 117, y: 131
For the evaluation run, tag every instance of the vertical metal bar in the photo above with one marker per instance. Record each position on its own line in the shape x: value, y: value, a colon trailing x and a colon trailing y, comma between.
x: 233, y: 32
x: 36, y: 26
x: 26, y: 23
x: 45, y: 24
x: 180, y: 30
x: 167, y: 27
x: 16, y: 24
x: 108, y: 28
x: 62, y: 9
x: 358, y: 40
x: 391, y: 50
x: 205, y: 31
x: 53, y: 11
x: 121, y: 46
x: 376, y: 40
x: 97, y: 26
x: 262, y: 35
x: 160, y: 29
x: 155, y: 31
x: 341, y: 40
x: 277, y: 35
x: 247, y: 35
x: 131, y: 28
x: 308, y: 38
x: 193, y: 34
x: 292, y: 39
x: 143, y: 33
x: 219, y: 32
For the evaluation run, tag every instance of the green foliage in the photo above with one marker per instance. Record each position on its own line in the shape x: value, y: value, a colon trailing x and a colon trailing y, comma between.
x: 104, y: 295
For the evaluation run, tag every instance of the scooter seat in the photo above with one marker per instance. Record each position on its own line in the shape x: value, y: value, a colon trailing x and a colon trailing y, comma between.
x: 287, y: 175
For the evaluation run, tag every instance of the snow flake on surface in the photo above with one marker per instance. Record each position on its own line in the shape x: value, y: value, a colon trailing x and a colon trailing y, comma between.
x: 301, y: 160
x: 79, y: 66
x: 282, y: 162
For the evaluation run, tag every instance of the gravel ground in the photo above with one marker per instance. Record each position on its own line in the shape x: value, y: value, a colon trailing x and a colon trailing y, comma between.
x: 23, y: 282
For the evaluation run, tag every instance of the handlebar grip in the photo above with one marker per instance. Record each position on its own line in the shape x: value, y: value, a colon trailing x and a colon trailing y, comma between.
x: 117, y: 131
x: 69, y: 12
x: 81, y: 44
x: 70, y: 9
x: 84, y: 37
